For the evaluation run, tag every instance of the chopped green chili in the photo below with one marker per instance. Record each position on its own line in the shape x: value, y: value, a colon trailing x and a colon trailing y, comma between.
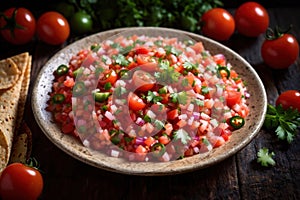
x: 223, y: 72
x: 158, y: 149
x: 62, y: 70
x: 79, y: 88
x: 101, y: 96
x: 58, y: 98
x: 237, y: 122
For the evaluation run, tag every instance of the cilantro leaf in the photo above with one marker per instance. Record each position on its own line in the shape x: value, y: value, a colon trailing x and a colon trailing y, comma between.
x: 265, y: 158
x: 284, y: 122
x: 180, y: 97
x: 167, y: 74
x: 120, y: 59
x: 182, y: 135
x: 172, y: 50
x: 189, y: 66
x: 152, y: 97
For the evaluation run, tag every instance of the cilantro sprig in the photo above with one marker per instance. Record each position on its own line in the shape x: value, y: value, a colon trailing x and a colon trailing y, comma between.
x: 285, y: 122
x: 265, y: 158
x: 182, y: 136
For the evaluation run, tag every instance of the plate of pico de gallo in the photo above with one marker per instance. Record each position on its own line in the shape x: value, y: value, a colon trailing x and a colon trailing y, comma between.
x: 149, y: 101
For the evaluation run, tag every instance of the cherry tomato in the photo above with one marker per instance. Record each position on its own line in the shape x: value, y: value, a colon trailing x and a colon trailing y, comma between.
x: 289, y: 98
x: 19, y: 181
x: 279, y: 51
x: 53, y: 28
x: 143, y: 80
x: 110, y: 76
x: 81, y: 23
x: 135, y: 102
x: 144, y: 62
x: 17, y: 25
x: 218, y: 24
x: 251, y: 19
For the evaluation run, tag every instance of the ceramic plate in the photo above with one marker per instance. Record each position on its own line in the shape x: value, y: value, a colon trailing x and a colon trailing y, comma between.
x: 73, y: 147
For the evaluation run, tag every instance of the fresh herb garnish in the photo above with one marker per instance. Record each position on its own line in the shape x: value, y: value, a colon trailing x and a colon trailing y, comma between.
x: 265, y: 158
x: 168, y: 75
x: 182, y: 135
x: 285, y: 122
x: 120, y: 59
x: 152, y: 97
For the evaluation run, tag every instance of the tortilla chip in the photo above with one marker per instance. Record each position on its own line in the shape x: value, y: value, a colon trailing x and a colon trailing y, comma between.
x: 10, y: 107
x: 22, y: 145
x: 9, y: 73
x: 25, y: 59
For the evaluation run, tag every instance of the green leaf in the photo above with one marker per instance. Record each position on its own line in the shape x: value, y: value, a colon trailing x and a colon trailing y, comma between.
x: 152, y: 97
x: 265, y: 158
x: 182, y: 135
x: 284, y: 122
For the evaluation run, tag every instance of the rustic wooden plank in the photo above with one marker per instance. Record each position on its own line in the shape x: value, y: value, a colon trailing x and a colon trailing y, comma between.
x: 277, y: 182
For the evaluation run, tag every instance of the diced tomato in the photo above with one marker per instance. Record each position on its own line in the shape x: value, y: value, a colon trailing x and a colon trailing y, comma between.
x: 67, y: 128
x: 143, y: 80
x: 135, y: 102
x: 89, y: 60
x: 164, y: 139
x: 141, y: 50
x: 150, y: 141
x: 110, y: 76
x: 181, y: 123
x: 141, y: 149
x: 60, y: 117
x: 217, y: 141
x: 69, y: 82
x: 198, y: 47
x: 220, y: 59
x: 233, y: 97
x: 173, y: 114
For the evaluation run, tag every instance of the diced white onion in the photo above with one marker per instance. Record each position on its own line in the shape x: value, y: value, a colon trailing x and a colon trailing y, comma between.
x: 109, y: 115
x: 115, y: 153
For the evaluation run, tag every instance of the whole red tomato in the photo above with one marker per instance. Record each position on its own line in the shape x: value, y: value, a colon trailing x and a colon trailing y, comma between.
x: 279, y: 50
x: 19, y: 181
x: 251, y: 19
x: 218, y: 24
x: 53, y: 28
x: 17, y: 25
x: 289, y: 98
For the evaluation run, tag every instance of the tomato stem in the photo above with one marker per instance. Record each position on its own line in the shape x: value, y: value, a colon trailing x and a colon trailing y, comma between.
x: 276, y: 33
x: 11, y: 22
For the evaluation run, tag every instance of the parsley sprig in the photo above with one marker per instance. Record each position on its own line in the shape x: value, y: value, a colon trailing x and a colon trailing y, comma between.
x: 285, y: 122
x: 265, y: 158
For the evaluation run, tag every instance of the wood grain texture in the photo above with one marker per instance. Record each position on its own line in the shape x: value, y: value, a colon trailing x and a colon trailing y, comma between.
x: 239, y: 177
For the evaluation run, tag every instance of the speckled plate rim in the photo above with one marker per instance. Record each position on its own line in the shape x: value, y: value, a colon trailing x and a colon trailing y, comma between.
x: 71, y: 146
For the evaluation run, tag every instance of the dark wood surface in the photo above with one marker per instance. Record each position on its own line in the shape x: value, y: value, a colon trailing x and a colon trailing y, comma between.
x: 238, y: 177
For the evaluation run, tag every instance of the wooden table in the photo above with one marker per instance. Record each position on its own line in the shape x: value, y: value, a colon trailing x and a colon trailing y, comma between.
x: 238, y: 177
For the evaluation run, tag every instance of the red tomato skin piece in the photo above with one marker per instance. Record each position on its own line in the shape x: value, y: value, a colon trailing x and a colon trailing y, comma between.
x: 251, y: 19
x: 289, y: 98
x: 280, y: 53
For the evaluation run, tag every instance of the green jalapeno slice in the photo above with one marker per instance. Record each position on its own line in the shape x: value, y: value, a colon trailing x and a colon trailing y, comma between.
x: 237, y: 122
x: 79, y: 88
x: 62, y: 70
x: 101, y: 96
x: 158, y: 149
x: 58, y: 98
x: 223, y: 72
